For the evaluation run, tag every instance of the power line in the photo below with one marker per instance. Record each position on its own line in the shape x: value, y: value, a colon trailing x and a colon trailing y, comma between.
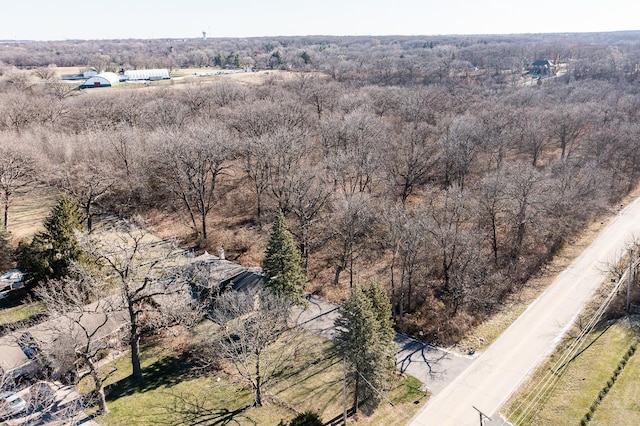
x: 548, y: 381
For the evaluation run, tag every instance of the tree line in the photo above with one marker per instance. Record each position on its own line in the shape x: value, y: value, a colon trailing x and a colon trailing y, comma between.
x: 451, y: 193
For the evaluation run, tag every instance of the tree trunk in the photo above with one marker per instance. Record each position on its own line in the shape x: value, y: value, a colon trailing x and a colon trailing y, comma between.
x: 97, y: 381
x: 305, y: 245
x: 135, y: 357
x: 134, y: 341
x: 336, y: 279
x: 494, y: 239
x: 394, y: 308
x: 351, y: 269
x: 204, y: 228
x: 355, y: 394
x: 87, y: 209
x: 445, y: 271
x: 259, y: 209
x: 258, y: 382
x: 6, y: 211
x: 409, y: 289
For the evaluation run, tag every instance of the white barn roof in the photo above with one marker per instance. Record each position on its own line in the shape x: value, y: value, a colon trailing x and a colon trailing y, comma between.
x: 105, y: 79
x: 156, y: 74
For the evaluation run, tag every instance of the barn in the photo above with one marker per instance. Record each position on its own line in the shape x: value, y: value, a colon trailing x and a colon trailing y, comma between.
x: 157, y: 74
x: 105, y: 79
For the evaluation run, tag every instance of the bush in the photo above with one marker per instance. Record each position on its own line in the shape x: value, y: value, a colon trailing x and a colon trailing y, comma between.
x: 308, y: 418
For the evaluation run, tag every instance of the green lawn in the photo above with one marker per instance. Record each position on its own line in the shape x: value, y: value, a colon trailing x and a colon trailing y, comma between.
x: 622, y: 405
x: 576, y: 389
x: 173, y: 394
x: 21, y: 312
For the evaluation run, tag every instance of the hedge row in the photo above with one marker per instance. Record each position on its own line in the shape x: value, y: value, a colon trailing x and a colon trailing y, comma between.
x: 605, y: 390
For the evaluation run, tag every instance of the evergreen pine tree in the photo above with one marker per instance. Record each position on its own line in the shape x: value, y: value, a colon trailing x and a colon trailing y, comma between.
x: 282, y: 264
x: 6, y: 251
x: 367, y: 344
x: 51, y: 251
x: 382, y: 310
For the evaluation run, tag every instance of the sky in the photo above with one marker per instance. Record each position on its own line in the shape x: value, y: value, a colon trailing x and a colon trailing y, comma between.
x: 72, y: 19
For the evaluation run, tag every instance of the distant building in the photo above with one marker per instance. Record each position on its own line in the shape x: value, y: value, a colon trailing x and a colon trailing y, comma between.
x: 542, y: 67
x: 157, y: 74
x: 105, y: 79
x: 89, y: 72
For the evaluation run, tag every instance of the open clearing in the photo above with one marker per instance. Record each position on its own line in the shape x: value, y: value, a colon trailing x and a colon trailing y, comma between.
x: 28, y: 210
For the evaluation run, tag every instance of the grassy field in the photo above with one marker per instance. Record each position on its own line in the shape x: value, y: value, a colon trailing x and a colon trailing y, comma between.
x: 22, y: 312
x: 27, y: 212
x: 174, y: 394
x: 578, y: 386
x: 622, y: 405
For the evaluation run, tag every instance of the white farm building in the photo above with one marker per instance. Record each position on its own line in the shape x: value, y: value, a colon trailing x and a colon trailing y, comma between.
x: 157, y: 74
x: 105, y: 79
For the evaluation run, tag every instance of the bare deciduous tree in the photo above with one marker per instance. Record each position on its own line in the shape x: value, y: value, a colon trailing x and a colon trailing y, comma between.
x: 409, y: 160
x: 460, y: 144
x: 252, y: 335
x: 524, y: 192
x: 87, y: 181
x: 350, y: 225
x: 309, y: 197
x: 16, y: 173
x: 352, y: 150
x: 84, y: 322
x: 407, y: 238
x: 148, y: 275
x: 192, y: 161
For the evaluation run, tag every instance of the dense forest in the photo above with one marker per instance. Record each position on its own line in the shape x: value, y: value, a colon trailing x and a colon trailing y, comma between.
x: 443, y: 168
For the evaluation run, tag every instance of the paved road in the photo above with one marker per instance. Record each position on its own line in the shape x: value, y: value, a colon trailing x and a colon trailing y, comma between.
x: 489, y: 381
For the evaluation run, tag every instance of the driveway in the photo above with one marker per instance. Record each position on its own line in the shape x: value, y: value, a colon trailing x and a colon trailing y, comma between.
x: 65, y: 409
x: 433, y: 366
x: 493, y: 377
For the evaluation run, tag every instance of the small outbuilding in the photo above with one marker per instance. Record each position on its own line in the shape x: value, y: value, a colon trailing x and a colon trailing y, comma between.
x: 156, y: 74
x: 105, y: 79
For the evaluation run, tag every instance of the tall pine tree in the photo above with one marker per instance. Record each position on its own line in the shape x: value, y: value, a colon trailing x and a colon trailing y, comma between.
x: 365, y: 340
x: 282, y: 264
x: 51, y: 251
x: 382, y: 310
x: 6, y: 251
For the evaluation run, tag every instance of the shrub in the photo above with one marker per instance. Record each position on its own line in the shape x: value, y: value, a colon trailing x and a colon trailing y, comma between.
x: 308, y: 418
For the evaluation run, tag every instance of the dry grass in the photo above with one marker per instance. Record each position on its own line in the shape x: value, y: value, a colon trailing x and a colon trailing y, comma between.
x: 27, y: 212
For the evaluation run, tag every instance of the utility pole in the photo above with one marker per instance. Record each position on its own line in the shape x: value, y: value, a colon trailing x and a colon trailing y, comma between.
x: 629, y: 279
x: 483, y: 416
x: 344, y: 390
